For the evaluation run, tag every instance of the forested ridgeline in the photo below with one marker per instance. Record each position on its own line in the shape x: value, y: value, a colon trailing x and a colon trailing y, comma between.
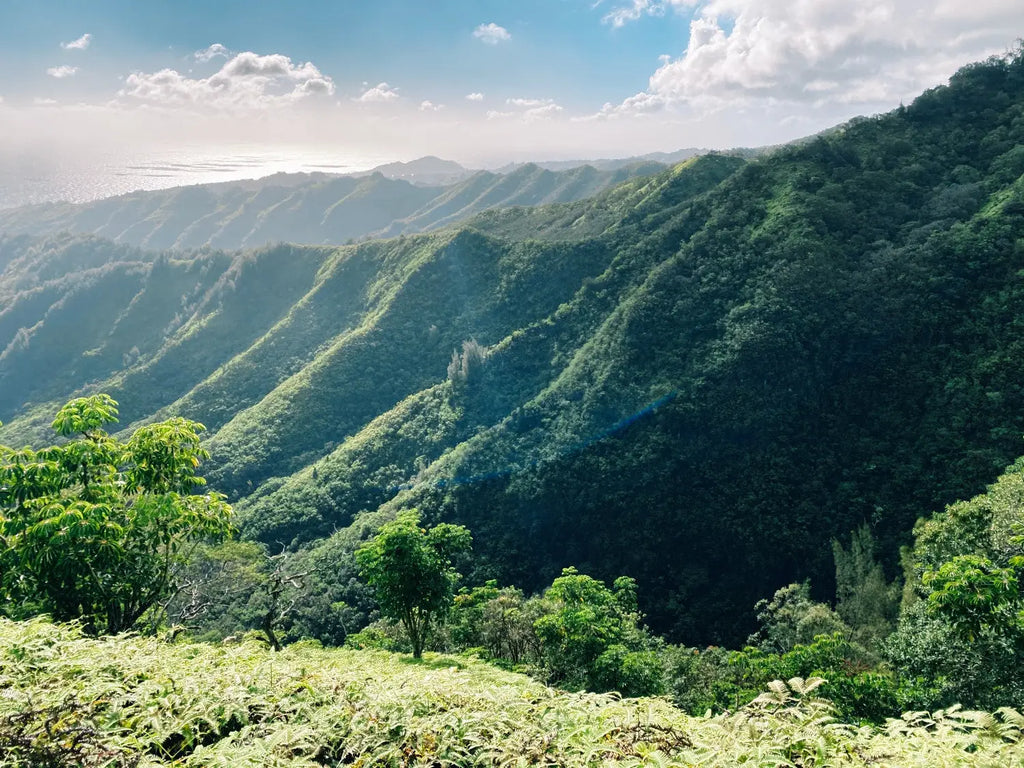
x: 699, y: 379
x: 119, y: 534
x: 312, y: 208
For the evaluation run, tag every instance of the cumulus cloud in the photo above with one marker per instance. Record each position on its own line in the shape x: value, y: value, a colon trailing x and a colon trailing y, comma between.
x: 41, y: 102
x: 527, y: 110
x: 78, y: 45
x: 246, y: 81
x: 491, y: 33
x: 817, y: 51
x: 429, y: 106
x: 474, y: 97
x: 62, y: 71
x: 382, y: 92
x: 635, y: 106
x: 212, y: 52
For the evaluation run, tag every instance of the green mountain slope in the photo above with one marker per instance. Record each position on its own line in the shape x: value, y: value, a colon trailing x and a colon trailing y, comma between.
x: 319, y: 210
x: 697, y: 378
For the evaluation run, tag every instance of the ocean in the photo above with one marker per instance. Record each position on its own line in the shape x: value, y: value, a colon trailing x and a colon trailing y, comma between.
x: 28, y: 177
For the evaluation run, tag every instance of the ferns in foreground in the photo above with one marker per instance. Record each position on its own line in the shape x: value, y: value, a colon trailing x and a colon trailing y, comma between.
x: 141, y: 701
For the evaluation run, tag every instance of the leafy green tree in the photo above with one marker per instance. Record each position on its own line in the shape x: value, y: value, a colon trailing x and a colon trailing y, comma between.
x: 864, y: 599
x: 973, y: 594
x: 591, y: 636
x: 94, y: 528
x: 792, y: 618
x: 583, y: 621
x: 410, y: 569
x: 962, y: 622
x: 498, y: 621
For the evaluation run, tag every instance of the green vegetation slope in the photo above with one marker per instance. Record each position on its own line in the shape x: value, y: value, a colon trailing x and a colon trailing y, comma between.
x: 130, y: 701
x: 697, y: 379
x: 317, y: 210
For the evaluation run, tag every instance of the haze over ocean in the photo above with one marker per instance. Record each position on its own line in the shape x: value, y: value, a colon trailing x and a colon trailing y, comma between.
x: 37, y: 176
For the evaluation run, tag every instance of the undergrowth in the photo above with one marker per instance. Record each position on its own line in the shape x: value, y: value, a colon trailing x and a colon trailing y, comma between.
x: 130, y: 701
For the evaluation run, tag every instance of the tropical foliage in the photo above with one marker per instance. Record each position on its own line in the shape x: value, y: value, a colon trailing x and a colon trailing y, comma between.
x: 94, y: 529
x: 410, y: 570
x: 131, y: 701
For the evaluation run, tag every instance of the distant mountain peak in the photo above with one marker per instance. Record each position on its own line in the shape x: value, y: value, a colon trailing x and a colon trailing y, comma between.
x: 428, y: 170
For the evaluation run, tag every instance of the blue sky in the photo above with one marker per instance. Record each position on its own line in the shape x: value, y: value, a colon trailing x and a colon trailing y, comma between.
x: 548, y: 78
x: 557, y: 47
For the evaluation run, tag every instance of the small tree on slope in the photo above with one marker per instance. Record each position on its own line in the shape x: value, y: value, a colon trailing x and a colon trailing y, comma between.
x: 410, y: 569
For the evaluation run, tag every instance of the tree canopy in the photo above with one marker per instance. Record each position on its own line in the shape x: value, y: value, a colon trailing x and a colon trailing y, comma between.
x: 94, y: 528
x: 410, y: 568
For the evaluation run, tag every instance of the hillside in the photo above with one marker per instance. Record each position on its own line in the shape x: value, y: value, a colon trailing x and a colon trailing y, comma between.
x: 130, y: 701
x: 400, y: 198
x: 698, y: 379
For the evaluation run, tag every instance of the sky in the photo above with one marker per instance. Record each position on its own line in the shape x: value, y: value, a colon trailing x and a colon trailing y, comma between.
x: 482, y: 82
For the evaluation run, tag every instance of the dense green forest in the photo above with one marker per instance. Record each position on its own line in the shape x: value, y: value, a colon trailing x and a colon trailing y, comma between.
x: 742, y: 435
x: 698, y: 379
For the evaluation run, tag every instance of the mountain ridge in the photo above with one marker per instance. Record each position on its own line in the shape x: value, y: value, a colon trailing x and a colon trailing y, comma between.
x: 697, y: 378
x: 394, y: 199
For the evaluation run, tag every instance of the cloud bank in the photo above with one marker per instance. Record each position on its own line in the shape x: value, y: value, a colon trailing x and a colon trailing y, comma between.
x: 527, y: 110
x: 212, y: 52
x: 62, y: 71
x: 815, y: 51
x: 380, y: 93
x: 247, y: 81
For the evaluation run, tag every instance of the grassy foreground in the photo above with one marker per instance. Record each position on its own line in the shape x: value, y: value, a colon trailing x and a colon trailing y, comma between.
x: 129, y: 701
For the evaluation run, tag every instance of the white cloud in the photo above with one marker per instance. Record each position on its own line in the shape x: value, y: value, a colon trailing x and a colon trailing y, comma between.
x: 527, y: 102
x: 527, y: 110
x: 78, y: 45
x: 382, y: 92
x: 542, y: 113
x: 627, y: 13
x: 212, y: 52
x: 429, y: 106
x: 41, y: 102
x: 246, y: 81
x: 474, y: 97
x: 635, y: 106
x: 869, y: 54
x: 62, y: 71
x: 491, y: 33
x: 633, y: 10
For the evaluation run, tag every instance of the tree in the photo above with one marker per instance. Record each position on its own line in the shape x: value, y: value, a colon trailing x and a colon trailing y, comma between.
x: 592, y: 637
x: 410, y: 569
x: 865, y: 601
x: 94, y: 528
x: 498, y: 621
x: 962, y: 623
x: 792, y: 618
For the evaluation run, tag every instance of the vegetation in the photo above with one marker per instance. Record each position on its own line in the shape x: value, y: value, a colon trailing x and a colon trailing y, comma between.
x: 410, y: 570
x: 312, y: 208
x: 738, y: 382
x: 700, y: 378
x: 130, y: 701
x: 94, y: 529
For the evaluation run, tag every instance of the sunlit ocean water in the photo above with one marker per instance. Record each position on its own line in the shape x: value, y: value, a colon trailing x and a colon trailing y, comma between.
x: 37, y: 177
